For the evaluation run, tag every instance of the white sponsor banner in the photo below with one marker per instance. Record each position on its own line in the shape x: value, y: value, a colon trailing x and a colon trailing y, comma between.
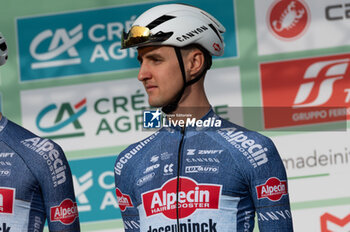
x: 323, y: 219
x: 296, y: 25
x: 104, y: 114
x: 317, y: 164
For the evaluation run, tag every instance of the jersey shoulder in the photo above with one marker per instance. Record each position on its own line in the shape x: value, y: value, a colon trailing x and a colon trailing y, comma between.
x: 41, y: 155
x: 127, y: 156
x: 257, y: 148
x: 24, y: 141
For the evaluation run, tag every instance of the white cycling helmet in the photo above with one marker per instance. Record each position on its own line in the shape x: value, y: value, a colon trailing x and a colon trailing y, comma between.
x: 3, y: 50
x: 176, y: 25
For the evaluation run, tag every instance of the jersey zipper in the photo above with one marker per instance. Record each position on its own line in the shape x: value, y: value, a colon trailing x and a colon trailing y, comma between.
x: 178, y: 177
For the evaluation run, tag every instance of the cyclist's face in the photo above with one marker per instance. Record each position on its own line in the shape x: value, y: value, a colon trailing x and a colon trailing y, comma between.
x: 160, y: 74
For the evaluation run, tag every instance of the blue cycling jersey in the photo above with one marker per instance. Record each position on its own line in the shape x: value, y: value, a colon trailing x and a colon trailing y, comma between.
x: 203, y: 179
x: 35, y: 183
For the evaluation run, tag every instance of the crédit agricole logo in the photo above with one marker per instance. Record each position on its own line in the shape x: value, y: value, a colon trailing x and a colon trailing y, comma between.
x: 53, y: 118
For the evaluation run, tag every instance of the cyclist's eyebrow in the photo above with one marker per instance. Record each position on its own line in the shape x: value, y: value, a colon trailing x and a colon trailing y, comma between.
x: 150, y: 56
x: 139, y: 58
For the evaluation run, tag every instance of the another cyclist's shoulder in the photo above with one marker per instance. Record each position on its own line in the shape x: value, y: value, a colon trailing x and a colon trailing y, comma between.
x: 29, y: 145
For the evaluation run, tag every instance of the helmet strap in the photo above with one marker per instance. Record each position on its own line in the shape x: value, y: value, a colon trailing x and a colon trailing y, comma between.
x: 171, y: 107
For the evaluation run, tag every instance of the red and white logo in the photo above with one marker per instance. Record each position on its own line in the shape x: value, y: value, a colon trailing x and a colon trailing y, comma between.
x: 288, y: 19
x: 308, y: 91
x: 273, y: 189
x: 216, y: 47
x: 124, y: 200
x: 191, y: 197
x: 7, y: 200
x: 320, y: 78
x: 331, y: 223
x: 66, y: 212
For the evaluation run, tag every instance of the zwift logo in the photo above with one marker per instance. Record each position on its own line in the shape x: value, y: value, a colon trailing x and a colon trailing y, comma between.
x: 320, y: 78
x: 60, y: 121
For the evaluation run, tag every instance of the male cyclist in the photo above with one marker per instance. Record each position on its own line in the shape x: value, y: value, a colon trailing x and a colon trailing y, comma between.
x: 35, y: 179
x: 191, y: 177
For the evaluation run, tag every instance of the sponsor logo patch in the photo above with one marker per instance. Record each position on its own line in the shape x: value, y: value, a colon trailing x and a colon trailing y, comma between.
x: 338, y: 224
x: 145, y: 179
x: 151, y: 168
x: 5, y: 172
x: 7, y: 200
x: 48, y: 151
x: 124, y: 200
x: 66, y: 212
x: 315, y: 90
x: 192, y: 197
x: 168, y: 169
x: 287, y: 19
x: 202, y: 169
x: 7, y: 154
x: 126, y: 157
x: 253, y: 151
x: 273, y: 189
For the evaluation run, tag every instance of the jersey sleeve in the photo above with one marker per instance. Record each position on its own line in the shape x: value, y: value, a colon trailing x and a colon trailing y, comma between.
x: 126, y: 198
x: 55, y: 180
x: 269, y: 189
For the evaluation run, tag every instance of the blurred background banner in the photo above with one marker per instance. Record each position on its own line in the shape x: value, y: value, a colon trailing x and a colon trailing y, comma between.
x: 88, y: 41
x: 285, y: 73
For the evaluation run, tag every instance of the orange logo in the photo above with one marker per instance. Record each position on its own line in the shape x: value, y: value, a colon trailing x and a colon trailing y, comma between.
x: 327, y: 217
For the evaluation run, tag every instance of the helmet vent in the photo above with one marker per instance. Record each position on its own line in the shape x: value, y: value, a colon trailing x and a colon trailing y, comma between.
x: 3, y: 47
x: 216, y: 31
x: 159, y: 21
